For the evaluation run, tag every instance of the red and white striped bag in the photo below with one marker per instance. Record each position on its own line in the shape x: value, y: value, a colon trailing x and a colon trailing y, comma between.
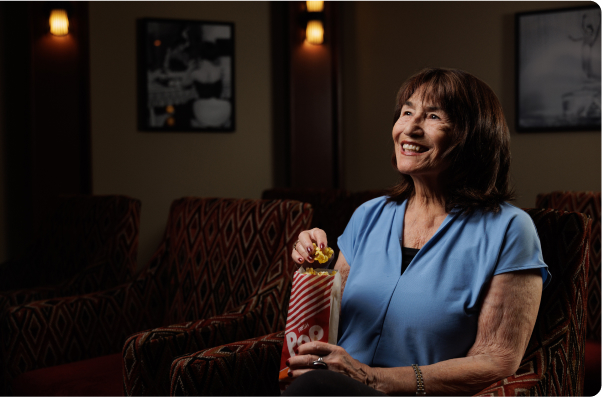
x: 313, y: 313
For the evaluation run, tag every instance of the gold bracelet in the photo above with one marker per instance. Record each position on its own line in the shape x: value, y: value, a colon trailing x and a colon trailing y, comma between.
x: 419, y: 381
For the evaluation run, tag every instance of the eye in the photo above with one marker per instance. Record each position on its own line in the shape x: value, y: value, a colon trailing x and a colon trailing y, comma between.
x: 407, y: 113
x: 433, y: 116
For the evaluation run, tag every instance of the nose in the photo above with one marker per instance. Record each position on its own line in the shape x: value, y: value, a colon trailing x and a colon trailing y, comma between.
x: 414, y: 126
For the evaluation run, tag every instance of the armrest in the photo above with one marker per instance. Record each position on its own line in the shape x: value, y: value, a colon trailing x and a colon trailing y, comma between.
x: 92, y: 279
x: 58, y: 331
x: 23, y: 296
x: 148, y: 355
x: 246, y: 368
x: 528, y: 380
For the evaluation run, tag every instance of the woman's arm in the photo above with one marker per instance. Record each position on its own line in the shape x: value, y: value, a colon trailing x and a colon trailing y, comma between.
x: 505, y: 324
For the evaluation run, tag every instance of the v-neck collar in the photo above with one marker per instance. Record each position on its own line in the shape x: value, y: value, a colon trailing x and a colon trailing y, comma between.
x: 399, y: 217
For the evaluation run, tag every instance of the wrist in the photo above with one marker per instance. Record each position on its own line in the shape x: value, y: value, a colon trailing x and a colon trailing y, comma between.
x: 372, y: 378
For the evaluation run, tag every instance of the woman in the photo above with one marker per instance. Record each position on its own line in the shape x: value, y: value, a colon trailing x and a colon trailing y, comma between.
x: 442, y: 278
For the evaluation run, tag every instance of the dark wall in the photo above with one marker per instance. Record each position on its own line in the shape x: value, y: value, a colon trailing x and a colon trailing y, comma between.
x: 16, y: 123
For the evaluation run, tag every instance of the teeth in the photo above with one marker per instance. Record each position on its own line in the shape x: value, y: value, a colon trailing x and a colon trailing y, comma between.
x: 414, y: 148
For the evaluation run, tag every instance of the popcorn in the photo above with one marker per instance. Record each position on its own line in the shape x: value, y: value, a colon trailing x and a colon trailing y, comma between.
x: 318, y: 272
x: 322, y: 256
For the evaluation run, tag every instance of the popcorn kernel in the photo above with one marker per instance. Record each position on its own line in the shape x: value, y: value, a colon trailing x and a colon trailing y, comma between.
x: 322, y: 256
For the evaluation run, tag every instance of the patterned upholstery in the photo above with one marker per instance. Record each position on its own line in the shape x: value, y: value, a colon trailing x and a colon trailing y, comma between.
x: 82, y: 231
x: 247, y: 368
x: 35, y: 323
x: 332, y: 207
x: 552, y: 364
x: 230, y: 265
x: 587, y: 203
x: 200, y: 232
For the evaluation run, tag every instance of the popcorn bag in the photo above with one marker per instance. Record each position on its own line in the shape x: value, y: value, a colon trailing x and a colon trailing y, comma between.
x: 313, y: 312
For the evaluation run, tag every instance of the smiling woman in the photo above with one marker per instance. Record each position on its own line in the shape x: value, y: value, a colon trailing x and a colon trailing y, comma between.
x: 430, y: 272
x: 463, y: 118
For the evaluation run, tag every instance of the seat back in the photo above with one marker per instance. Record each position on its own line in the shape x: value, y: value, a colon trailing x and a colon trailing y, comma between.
x: 332, y: 207
x: 222, y: 251
x: 587, y: 203
x: 554, y: 358
x: 83, y: 231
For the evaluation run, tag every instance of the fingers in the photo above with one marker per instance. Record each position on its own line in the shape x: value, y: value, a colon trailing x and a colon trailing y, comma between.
x: 304, y: 249
x: 319, y: 349
x: 300, y: 364
x: 319, y: 237
x: 302, y: 361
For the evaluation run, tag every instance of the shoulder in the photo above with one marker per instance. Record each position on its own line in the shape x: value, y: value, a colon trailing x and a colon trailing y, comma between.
x: 507, y: 215
x: 516, y: 218
x: 374, y: 207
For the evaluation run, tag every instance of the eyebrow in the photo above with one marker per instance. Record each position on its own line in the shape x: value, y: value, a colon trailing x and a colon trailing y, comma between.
x: 429, y: 108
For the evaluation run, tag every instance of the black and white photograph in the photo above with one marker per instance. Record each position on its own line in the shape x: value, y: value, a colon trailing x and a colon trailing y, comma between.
x: 186, y: 75
x: 558, y: 70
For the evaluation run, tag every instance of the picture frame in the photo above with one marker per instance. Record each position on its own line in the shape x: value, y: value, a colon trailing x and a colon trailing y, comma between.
x: 185, y: 76
x: 558, y: 70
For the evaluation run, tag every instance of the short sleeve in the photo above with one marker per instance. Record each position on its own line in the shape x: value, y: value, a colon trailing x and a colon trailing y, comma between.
x: 521, y: 249
x: 347, y: 242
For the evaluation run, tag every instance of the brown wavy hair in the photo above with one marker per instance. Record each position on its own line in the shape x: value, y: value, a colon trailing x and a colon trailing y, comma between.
x: 479, y: 173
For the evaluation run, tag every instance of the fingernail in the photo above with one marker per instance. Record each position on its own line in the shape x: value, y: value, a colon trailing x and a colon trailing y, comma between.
x: 310, y: 258
x: 290, y: 374
x: 309, y: 249
x: 288, y: 364
x: 321, y: 246
x: 300, y: 260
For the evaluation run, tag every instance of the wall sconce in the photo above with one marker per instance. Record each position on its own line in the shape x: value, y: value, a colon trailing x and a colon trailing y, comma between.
x: 314, y: 30
x: 59, y: 22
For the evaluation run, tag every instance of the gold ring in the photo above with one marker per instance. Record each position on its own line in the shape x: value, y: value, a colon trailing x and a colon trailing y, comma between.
x: 295, y: 245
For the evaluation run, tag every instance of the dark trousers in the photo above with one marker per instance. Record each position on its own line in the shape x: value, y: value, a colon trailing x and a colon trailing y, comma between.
x: 323, y: 382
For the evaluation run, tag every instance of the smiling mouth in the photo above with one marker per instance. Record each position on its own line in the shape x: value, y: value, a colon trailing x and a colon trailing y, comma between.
x: 408, y: 147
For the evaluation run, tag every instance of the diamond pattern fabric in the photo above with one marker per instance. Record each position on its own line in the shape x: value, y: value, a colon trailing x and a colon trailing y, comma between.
x: 228, y: 272
x: 552, y: 364
x: 246, y: 368
x: 102, y: 233
x: 181, y: 284
x: 587, y: 203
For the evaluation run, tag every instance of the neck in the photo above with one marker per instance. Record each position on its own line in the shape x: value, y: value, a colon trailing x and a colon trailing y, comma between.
x: 428, y: 197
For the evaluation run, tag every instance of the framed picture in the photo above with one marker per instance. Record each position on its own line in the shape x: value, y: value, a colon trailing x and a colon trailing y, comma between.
x: 185, y: 76
x: 558, y: 70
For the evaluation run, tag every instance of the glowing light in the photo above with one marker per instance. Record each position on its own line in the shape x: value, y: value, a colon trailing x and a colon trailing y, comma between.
x: 315, y: 6
x: 59, y: 23
x: 314, y: 34
x: 157, y: 43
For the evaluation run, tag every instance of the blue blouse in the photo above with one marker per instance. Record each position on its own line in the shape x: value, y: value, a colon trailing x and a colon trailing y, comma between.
x: 430, y: 312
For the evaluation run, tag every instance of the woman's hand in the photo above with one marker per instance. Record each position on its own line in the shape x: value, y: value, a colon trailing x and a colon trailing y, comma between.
x: 336, y: 359
x: 304, y: 247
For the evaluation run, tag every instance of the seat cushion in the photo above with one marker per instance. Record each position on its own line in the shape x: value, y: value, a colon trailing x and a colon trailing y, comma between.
x: 101, y: 376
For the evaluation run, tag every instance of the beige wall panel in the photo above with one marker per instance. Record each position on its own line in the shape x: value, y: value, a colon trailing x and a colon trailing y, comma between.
x: 389, y: 41
x: 160, y: 167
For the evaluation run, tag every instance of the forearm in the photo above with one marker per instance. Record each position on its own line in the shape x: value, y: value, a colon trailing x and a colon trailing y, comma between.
x: 460, y: 376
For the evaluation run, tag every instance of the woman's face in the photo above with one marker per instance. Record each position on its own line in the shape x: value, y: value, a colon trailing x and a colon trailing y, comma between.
x: 421, y: 137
